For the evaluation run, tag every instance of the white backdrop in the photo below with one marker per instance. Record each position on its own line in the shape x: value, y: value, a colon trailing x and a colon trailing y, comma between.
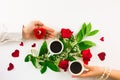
x: 103, y: 14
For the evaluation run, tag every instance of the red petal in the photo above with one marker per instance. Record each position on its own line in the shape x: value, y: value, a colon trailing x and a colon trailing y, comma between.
x: 102, y: 38
x: 86, y: 53
x: 85, y: 62
x: 21, y: 44
x: 63, y: 64
x: 10, y: 67
x: 34, y: 45
x: 15, y: 53
x: 66, y: 33
x: 39, y: 33
x: 102, y: 56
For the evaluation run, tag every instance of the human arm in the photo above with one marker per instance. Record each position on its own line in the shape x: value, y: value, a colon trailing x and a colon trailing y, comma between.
x: 115, y: 74
x: 10, y: 32
x: 24, y: 32
x: 94, y: 71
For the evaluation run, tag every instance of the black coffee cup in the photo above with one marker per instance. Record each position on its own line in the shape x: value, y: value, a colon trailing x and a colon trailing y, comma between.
x: 55, y: 47
x: 76, y: 67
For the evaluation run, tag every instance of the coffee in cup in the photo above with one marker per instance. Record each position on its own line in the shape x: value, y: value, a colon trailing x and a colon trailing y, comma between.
x: 55, y: 47
x: 76, y: 67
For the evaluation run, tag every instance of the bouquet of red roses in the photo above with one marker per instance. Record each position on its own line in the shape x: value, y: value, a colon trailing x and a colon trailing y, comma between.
x: 75, y: 47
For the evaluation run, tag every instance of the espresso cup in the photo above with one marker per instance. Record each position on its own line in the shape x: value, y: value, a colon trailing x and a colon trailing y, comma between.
x: 55, y: 47
x: 76, y: 67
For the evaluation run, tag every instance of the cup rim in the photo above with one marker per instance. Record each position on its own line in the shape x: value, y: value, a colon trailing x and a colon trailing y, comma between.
x: 50, y: 44
x: 79, y: 61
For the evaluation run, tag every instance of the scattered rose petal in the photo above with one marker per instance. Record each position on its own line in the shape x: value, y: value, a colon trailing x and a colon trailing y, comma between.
x: 102, y: 38
x: 10, y: 67
x: 21, y: 44
x: 102, y: 56
x: 34, y: 45
x: 15, y: 53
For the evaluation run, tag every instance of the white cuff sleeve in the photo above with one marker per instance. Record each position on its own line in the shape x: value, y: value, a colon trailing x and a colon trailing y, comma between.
x: 10, y: 33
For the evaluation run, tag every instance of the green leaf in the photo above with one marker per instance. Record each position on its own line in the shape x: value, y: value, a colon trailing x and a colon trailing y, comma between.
x: 71, y: 58
x: 86, y: 44
x: 52, y: 66
x: 28, y: 58
x: 43, y: 49
x: 88, y: 28
x: 93, y: 32
x: 42, y: 63
x: 43, y: 70
x: 52, y: 58
x: 84, y: 29
x: 80, y: 35
x: 33, y: 60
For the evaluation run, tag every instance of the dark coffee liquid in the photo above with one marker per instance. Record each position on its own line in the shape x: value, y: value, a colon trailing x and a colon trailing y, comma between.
x: 56, y: 46
x: 75, y: 67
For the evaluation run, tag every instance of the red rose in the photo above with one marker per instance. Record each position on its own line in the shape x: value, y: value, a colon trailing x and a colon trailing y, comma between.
x: 66, y: 33
x: 86, y: 54
x: 63, y: 64
x: 39, y: 33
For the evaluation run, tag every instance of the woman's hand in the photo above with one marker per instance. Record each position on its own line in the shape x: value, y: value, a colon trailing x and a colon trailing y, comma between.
x: 28, y: 30
x: 91, y: 71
